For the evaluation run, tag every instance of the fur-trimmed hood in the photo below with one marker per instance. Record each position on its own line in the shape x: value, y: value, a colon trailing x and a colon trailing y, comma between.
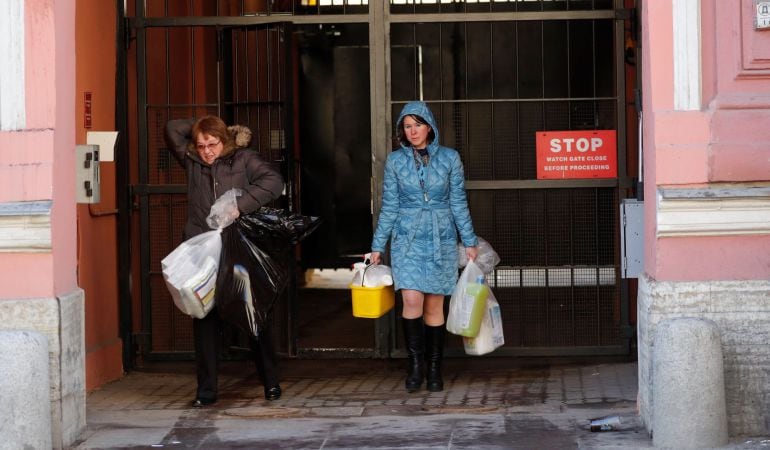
x: 241, y: 135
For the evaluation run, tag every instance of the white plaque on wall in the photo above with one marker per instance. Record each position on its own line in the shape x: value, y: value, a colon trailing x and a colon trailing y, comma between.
x: 762, y: 18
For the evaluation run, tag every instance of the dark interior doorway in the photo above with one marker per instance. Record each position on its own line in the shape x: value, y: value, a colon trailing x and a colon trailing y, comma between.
x: 335, y: 161
x: 335, y: 141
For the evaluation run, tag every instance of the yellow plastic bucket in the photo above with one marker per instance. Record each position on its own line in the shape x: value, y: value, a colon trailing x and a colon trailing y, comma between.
x: 372, y: 302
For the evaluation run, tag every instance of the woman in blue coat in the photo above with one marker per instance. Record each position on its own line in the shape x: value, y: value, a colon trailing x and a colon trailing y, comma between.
x: 423, y: 209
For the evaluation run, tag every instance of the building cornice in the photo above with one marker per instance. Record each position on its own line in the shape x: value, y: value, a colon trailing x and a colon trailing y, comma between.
x: 713, y: 212
x: 25, y: 227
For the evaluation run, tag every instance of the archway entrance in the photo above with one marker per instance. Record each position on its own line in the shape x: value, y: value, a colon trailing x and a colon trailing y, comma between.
x: 321, y: 83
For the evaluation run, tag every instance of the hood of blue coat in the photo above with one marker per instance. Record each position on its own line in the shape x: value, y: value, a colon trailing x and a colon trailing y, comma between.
x: 422, y: 110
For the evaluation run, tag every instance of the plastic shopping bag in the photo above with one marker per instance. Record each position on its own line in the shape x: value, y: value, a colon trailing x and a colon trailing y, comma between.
x: 371, y: 275
x: 487, y: 258
x: 490, y: 335
x: 190, y: 272
x: 224, y: 211
x: 255, y: 264
x: 468, y: 302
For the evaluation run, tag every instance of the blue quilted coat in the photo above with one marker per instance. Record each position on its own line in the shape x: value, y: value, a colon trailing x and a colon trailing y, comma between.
x: 423, y: 223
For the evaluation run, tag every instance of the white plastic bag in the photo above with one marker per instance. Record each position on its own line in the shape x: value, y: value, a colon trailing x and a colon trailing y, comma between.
x: 373, y: 275
x: 487, y: 258
x: 463, y: 314
x: 491, y: 333
x: 190, y: 272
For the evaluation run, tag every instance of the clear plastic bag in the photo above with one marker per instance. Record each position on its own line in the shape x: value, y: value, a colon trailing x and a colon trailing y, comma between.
x: 190, y: 273
x: 487, y: 258
x: 490, y: 335
x: 224, y: 211
x: 371, y: 275
x: 466, y: 307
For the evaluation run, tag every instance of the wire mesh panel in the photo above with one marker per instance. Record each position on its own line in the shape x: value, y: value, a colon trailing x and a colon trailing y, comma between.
x: 171, y: 330
x: 188, y: 76
x: 491, y: 84
x: 463, y: 6
x: 557, y: 281
x: 164, y: 8
x: 254, y: 95
x: 492, y: 87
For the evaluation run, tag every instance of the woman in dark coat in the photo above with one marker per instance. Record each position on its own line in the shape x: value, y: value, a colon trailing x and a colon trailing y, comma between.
x: 216, y: 160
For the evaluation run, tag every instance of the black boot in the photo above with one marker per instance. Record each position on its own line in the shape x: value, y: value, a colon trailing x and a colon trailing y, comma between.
x: 434, y: 354
x: 415, y: 350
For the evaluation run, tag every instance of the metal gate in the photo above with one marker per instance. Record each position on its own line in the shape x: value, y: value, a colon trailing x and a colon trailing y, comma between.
x: 494, y: 73
x: 239, y: 74
x: 495, y: 83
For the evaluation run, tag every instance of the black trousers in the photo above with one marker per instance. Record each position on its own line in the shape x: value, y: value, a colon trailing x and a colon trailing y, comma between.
x: 207, y: 335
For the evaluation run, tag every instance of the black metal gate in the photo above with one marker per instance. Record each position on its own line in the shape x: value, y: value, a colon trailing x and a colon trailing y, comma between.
x: 494, y: 73
x: 238, y: 73
x: 495, y: 84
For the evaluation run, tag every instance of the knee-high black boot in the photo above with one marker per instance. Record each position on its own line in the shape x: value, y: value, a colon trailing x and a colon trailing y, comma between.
x: 415, y: 349
x: 434, y: 355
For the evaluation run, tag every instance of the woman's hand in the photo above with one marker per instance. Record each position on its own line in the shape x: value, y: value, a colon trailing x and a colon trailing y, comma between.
x: 471, y: 253
x: 375, y: 258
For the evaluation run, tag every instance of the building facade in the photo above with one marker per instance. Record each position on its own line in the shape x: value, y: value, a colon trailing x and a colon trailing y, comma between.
x: 705, y: 107
x: 706, y: 79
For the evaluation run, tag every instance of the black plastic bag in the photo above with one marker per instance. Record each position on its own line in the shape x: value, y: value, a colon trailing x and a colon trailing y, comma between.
x: 254, y: 265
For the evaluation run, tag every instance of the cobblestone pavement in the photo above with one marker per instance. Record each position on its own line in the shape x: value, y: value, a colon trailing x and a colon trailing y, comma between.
x: 468, y: 383
x: 486, y: 403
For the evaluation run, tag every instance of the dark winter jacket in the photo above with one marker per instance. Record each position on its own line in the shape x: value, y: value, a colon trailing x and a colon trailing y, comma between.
x: 238, y: 167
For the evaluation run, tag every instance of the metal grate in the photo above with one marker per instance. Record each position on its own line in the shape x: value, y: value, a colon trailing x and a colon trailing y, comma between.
x: 491, y: 86
x: 476, y: 6
x: 557, y: 282
x: 168, y: 8
x: 187, y: 83
x: 171, y: 330
x: 255, y: 96
x: 172, y: 8
x: 536, y: 59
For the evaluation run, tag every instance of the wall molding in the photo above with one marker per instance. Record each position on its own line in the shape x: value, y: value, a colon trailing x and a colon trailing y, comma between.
x: 25, y: 227
x: 734, y: 211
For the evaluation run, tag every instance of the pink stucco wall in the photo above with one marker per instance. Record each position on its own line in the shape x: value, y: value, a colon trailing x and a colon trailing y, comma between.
x: 726, y: 141
x: 657, y: 70
x: 64, y: 226
x: 42, y: 165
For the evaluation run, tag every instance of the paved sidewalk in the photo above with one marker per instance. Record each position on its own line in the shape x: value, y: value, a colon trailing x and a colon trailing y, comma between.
x: 489, y: 403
